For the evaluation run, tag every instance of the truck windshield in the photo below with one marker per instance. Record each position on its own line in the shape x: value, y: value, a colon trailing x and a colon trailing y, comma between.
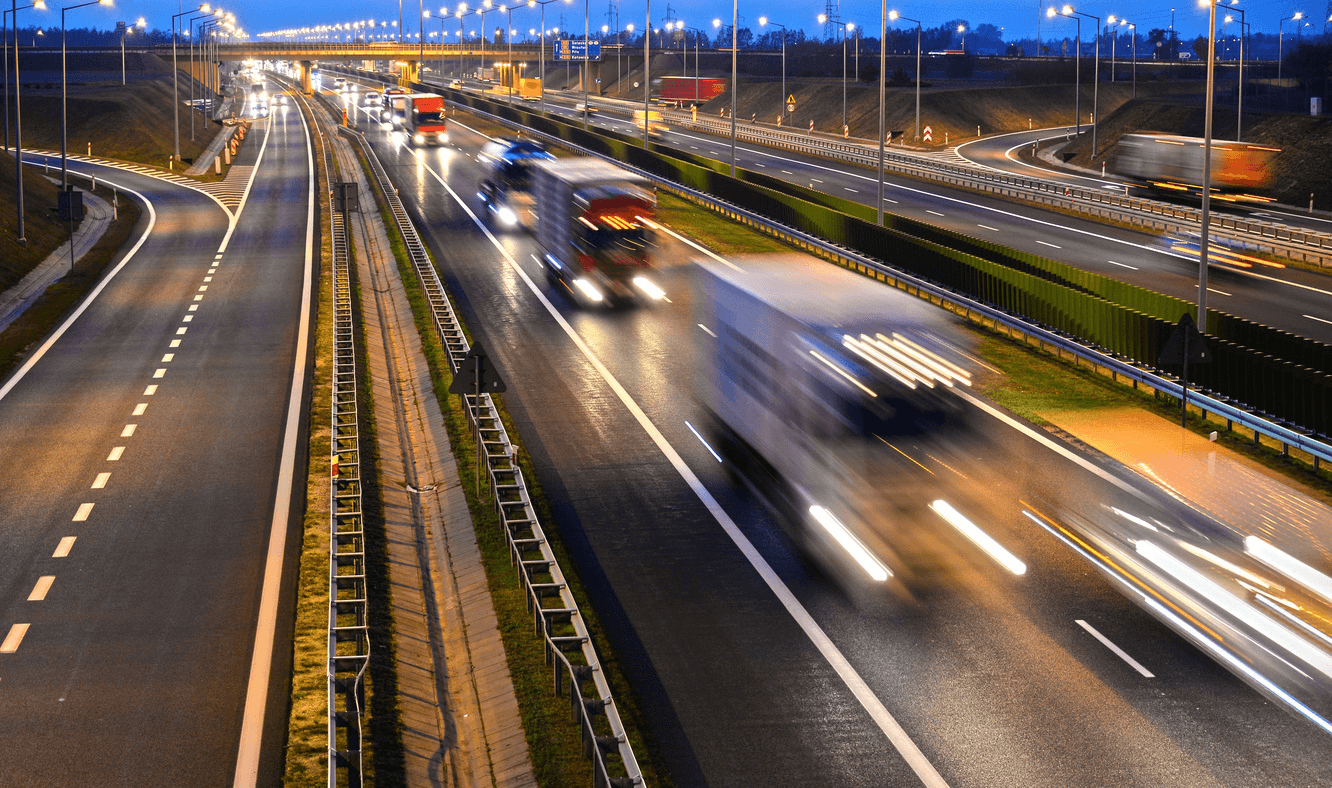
x: 429, y: 118
x: 607, y: 240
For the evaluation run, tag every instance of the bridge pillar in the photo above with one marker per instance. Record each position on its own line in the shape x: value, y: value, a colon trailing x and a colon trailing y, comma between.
x: 408, y: 71
x: 303, y: 76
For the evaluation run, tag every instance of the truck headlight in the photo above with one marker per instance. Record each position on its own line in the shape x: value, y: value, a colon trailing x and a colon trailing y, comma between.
x: 418, y: 139
x: 648, y: 288
x: 507, y: 217
x: 588, y: 289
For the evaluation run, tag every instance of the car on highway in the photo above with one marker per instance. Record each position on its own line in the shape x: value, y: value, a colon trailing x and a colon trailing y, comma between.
x: 339, y: 84
x: 280, y: 99
x: 456, y: 84
x: 589, y: 107
x: 259, y: 110
x: 372, y: 98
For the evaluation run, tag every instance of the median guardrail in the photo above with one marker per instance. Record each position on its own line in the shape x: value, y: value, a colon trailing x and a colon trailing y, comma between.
x: 556, y: 616
x: 348, y: 619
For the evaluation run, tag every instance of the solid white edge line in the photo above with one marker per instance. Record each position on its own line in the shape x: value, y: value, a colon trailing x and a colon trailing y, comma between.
x: 899, y: 738
x: 87, y: 302
x: 261, y: 663
x: 1119, y: 652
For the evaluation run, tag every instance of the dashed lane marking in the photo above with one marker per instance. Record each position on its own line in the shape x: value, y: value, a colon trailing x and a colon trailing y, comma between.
x: 150, y: 391
x: 62, y: 549
x: 182, y: 330
x: 166, y: 359
x: 101, y: 480
x: 40, y: 590
x: 81, y: 515
x: 129, y: 430
x: 1105, y: 641
x: 14, y: 638
x: 936, y: 213
x: 988, y: 227
x: 139, y: 409
x: 187, y: 318
x: 115, y: 454
x: 160, y: 373
x: 175, y: 343
x: 1047, y: 243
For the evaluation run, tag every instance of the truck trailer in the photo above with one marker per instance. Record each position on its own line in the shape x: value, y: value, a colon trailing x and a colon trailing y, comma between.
x: 820, y: 383
x: 594, y: 227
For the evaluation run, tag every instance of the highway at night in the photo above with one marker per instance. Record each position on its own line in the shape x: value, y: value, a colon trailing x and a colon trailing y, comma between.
x: 148, y: 455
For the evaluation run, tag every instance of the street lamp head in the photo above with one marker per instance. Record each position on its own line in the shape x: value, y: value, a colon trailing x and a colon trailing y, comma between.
x: 823, y: 19
x: 850, y: 26
x: 425, y: 14
x: 893, y: 16
x: 763, y: 20
x: 961, y: 28
x: 630, y: 27
x: 40, y: 5
x: 1050, y: 12
x: 1067, y: 11
x: 716, y: 23
x: 1110, y: 20
x: 605, y: 28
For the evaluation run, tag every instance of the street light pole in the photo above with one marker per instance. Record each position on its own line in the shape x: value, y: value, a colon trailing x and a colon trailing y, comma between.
x: 647, y: 71
x: 1207, y: 170
x: 18, y: 119
x: 1239, y: 98
x: 894, y: 16
x: 1077, y: 71
x: 1281, y: 34
x: 175, y: 73
x: 1096, y: 74
x: 883, y: 97
x: 64, y: 92
x: 763, y: 20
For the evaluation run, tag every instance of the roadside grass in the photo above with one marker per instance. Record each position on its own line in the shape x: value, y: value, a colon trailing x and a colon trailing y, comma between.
x: 30, y: 328
x: 553, y: 740
x: 44, y: 232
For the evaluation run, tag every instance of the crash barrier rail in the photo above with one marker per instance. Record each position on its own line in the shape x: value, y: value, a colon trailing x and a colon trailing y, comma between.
x: 1120, y: 339
x: 556, y: 616
x: 348, y: 619
x: 1281, y: 376
x: 1289, y: 242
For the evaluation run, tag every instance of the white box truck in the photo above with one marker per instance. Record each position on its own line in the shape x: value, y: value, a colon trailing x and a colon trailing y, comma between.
x: 812, y: 375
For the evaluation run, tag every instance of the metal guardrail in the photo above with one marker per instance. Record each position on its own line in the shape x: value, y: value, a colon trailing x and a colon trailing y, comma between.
x: 1233, y: 413
x: 348, y: 615
x: 1288, y: 242
x: 556, y: 616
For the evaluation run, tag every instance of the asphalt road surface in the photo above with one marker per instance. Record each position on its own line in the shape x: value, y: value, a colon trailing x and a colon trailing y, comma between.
x: 141, y: 488
x: 754, y: 667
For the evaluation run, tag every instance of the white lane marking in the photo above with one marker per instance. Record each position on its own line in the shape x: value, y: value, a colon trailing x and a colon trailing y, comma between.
x: 1047, y: 243
x: 40, y: 590
x: 139, y: 409
x: 35, y: 357
x: 759, y: 164
x: 261, y: 663
x: 14, y: 638
x: 887, y: 199
x: 186, y: 319
x: 936, y: 213
x: 194, y: 307
x: 706, y: 445
x: 175, y: 343
x: 197, y: 298
x: 62, y: 549
x: 212, y: 270
x: 853, y: 191
x: 1122, y: 265
x: 1319, y: 319
x: 208, y: 278
x: 166, y: 359
x: 150, y: 391
x: 182, y: 329
x: 128, y: 431
x: 987, y: 227
x: 836, y: 660
x: 707, y: 330
x: 161, y: 373
x: 788, y: 172
x: 101, y: 480
x: 816, y: 180
x: 81, y: 515
x: 1210, y: 290
x: 202, y: 288
x: 1119, y: 652
x: 116, y: 454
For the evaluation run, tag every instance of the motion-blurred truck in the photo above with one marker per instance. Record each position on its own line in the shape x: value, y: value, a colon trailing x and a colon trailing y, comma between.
x: 506, y: 187
x: 652, y: 120
x: 822, y: 384
x: 594, y: 227
x: 423, y: 118
x: 1170, y: 164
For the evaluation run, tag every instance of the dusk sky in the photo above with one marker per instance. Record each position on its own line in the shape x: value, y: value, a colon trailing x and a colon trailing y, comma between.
x: 1018, y: 19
